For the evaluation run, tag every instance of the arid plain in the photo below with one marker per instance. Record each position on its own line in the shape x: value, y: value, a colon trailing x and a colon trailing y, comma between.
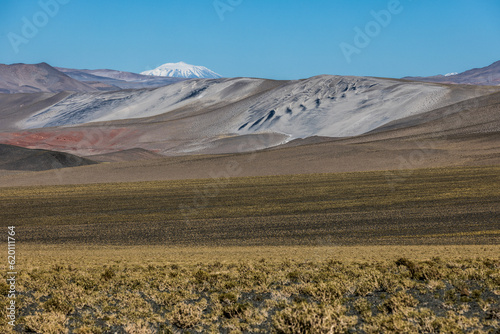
x: 248, y: 205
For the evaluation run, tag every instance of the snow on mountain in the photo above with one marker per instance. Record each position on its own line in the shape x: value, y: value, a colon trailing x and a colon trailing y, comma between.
x: 450, y: 74
x: 182, y: 70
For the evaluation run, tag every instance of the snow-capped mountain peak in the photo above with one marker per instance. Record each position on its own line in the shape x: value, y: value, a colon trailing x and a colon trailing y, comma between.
x: 182, y: 70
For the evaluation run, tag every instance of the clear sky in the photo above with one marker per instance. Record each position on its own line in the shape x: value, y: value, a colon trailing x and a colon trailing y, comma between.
x: 278, y: 39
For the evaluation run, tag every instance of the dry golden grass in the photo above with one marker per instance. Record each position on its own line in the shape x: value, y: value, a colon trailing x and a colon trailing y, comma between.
x: 157, y: 254
x: 392, y: 289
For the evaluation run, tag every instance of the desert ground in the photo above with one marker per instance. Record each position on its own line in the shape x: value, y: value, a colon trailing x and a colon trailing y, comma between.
x: 289, y: 208
x: 381, y: 251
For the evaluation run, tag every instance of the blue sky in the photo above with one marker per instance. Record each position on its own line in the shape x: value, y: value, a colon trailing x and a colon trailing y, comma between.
x: 278, y: 39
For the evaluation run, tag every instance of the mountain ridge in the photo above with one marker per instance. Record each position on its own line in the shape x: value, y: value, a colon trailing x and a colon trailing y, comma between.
x: 225, y: 115
x: 119, y: 79
x: 487, y: 76
x: 37, y: 78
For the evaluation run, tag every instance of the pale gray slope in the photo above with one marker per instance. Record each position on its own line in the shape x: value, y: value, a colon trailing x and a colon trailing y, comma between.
x: 132, y: 154
x: 463, y: 134
x: 15, y: 108
x: 326, y: 105
x: 134, y: 104
x: 118, y: 79
x: 224, y: 115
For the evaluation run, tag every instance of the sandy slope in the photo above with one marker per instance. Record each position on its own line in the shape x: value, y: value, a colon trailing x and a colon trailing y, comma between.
x: 209, y: 128
x: 214, y: 116
x: 467, y: 134
x: 17, y: 107
x: 132, y: 154
x: 326, y: 105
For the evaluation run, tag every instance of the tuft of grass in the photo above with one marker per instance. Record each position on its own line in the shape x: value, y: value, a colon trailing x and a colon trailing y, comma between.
x: 399, y: 302
x: 312, y: 318
x: 58, y: 304
x: 108, y: 274
x: 186, y: 315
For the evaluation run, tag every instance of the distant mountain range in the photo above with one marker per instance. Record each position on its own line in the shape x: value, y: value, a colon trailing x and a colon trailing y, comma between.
x: 183, y: 70
x: 90, y: 113
x: 108, y: 80
x: 217, y: 116
x: 43, y: 78
x: 24, y: 78
x: 487, y: 76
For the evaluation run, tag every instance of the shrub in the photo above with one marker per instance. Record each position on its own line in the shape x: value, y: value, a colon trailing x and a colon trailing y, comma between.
x: 367, y: 285
x: 493, y: 313
x: 4, y: 288
x: 137, y: 328
x: 185, y: 315
x: 108, y: 274
x: 324, y: 292
x: 419, y: 272
x: 58, y: 304
x: 294, y: 275
x: 201, y: 276
x: 398, y: 302
x: 415, y: 270
x: 312, y: 318
x: 228, y: 298
x: 235, y: 310
x: 390, y: 323
x: 85, y: 329
x: 47, y: 323
x: 363, y: 307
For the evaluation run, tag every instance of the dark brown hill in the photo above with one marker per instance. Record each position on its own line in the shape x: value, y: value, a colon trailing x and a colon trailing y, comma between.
x: 19, y: 158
